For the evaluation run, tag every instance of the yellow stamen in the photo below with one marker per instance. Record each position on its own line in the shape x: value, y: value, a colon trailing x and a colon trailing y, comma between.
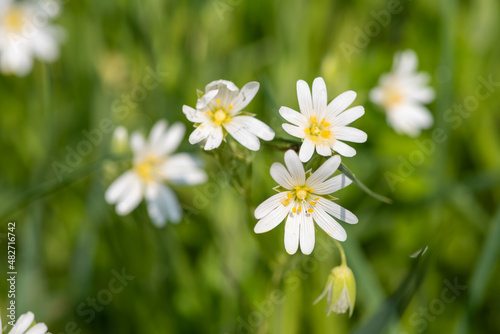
x: 231, y: 106
x: 326, y: 134
x: 313, y: 203
x: 294, y: 210
x: 310, y: 210
x: 300, y: 208
x: 218, y: 101
x: 289, y: 195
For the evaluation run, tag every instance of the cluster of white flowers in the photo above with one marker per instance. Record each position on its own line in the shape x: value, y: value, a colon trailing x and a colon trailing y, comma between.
x: 25, y: 35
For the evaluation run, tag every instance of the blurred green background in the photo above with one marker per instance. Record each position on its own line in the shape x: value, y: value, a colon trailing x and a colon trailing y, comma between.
x: 211, y: 273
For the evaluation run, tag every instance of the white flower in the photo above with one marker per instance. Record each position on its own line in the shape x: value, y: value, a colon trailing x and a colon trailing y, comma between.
x: 220, y: 111
x: 301, y: 202
x: 340, y: 290
x: 24, y: 323
x: 402, y: 94
x: 153, y: 164
x: 323, y: 126
x: 25, y: 34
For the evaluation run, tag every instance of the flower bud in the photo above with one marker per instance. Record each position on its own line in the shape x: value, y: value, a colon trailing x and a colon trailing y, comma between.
x: 340, y: 290
x: 119, y: 143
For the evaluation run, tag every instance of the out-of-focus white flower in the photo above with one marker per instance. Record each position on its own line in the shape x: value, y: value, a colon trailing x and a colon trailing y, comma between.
x: 220, y: 111
x: 323, y: 126
x: 402, y: 93
x: 153, y: 165
x: 26, y: 34
x: 24, y: 323
x: 340, y: 290
x: 301, y: 202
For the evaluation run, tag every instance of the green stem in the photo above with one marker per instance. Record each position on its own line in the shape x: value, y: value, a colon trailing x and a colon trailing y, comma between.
x: 342, y: 253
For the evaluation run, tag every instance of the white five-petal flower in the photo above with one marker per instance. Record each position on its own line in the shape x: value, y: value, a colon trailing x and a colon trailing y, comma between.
x: 220, y: 111
x: 323, y: 126
x: 402, y: 93
x: 25, y: 34
x: 300, y: 200
x: 24, y: 323
x: 153, y: 165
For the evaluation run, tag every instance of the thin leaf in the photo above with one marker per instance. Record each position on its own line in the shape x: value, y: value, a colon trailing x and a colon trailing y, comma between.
x: 344, y: 170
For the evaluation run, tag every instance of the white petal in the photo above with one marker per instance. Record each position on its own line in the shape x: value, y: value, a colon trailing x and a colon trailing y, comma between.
x: 295, y: 167
x: 281, y: 176
x: 319, y: 97
x: 170, y: 141
x: 120, y: 186
x: 292, y: 232
x: 332, y: 185
x: 39, y: 328
x: 130, y: 198
x: 206, y: 99
x: 306, y: 150
x: 23, y: 323
x: 377, y: 95
x: 269, y: 205
x: 293, y: 117
x: 337, y: 211
x: 323, y: 172
x: 343, y: 149
x: 340, y: 103
x: 229, y: 85
x: 243, y: 136
x: 273, y: 219
x: 137, y: 143
x: 294, y: 130
x: 162, y: 205
x: 329, y: 225
x: 193, y: 115
x: 405, y: 62
x: 246, y: 94
x: 304, y: 97
x: 348, y: 133
x: 349, y: 116
x: 324, y: 150
x: 258, y: 128
x: 200, y: 133
x: 307, y: 237
x: 183, y: 169
x: 214, y: 138
x: 157, y: 131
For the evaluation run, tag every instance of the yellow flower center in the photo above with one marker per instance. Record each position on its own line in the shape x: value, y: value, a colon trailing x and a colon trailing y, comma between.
x: 219, y: 114
x: 147, y: 168
x: 13, y: 20
x: 301, y: 195
x: 392, y: 97
x: 319, y: 132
